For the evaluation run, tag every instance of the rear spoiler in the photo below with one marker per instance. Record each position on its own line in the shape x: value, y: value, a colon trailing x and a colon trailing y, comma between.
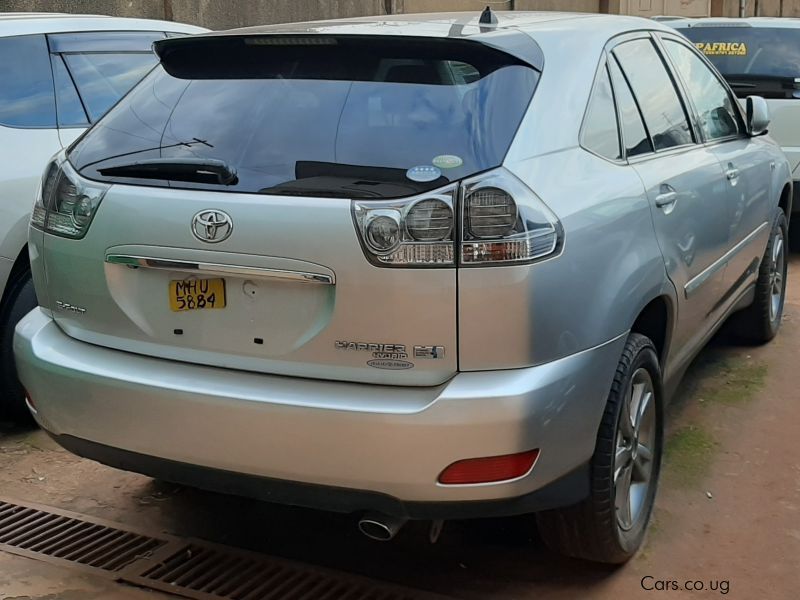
x: 229, y: 55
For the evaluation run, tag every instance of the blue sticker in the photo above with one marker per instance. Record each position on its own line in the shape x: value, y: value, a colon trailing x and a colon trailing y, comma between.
x: 424, y: 173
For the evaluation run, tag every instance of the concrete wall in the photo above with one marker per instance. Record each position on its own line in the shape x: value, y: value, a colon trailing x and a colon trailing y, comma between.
x: 650, y: 8
x: 766, y: 8
x: 214, y: 14
x: 224, y: 14
x: 413, y: 6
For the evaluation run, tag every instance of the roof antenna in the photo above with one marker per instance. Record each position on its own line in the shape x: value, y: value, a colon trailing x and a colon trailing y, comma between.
x: 488, y: 17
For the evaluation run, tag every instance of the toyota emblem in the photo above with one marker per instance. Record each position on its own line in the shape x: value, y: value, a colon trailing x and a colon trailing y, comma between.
x: 212, y: 226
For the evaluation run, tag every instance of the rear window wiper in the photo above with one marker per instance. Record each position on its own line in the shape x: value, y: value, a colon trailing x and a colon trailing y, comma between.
x: 194, y: 170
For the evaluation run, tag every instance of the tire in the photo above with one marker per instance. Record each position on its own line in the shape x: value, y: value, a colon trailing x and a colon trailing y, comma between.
x: 20, y: 300
x: 599, y: 528
x: 759, y: 323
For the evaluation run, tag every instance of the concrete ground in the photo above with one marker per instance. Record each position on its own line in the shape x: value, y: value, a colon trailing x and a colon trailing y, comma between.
x: 727, y: 515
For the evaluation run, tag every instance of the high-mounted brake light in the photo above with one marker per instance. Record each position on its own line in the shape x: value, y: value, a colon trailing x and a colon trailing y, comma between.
x: 290, y: 40
x: 66, y: 202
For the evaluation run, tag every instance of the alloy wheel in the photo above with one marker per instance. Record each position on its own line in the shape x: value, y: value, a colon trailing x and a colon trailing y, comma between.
x: 635, y: 450
x: 776, y: 274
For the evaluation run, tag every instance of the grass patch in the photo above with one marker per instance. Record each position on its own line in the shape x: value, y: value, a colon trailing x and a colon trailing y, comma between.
x: 737, y: 382
x: 687, y: 456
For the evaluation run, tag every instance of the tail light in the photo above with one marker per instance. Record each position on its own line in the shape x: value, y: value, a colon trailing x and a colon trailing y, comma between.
x: 417, y: 231
x: 66, y: 202
x: 505, y: 222
x: 491, y: 219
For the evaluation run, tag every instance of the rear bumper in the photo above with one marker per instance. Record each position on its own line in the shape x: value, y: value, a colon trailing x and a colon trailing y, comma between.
x: 340, y: 446
x: 569, y: 489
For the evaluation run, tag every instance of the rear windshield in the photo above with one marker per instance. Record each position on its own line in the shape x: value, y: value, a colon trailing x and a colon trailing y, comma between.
x: 755, y: 60
x: 338, y: 117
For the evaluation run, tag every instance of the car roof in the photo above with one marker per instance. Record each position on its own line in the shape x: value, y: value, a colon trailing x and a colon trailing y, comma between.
x: 456, y: 24
x: 770, y: 22
x: 31, y: 23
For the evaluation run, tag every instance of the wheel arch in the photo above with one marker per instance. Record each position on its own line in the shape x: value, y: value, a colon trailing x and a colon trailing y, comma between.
x: 655, y: 320
x: 21, y: 264
x: 785, y: 200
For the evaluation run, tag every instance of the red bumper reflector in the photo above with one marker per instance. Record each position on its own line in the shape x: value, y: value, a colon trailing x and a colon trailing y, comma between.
x: 489, y: 469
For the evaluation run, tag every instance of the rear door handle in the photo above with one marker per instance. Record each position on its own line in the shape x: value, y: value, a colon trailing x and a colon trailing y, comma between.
x: 666, y: 199
x: 732, y: 174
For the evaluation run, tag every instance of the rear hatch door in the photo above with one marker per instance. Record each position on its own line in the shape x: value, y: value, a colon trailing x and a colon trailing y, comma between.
x: 238, y: 171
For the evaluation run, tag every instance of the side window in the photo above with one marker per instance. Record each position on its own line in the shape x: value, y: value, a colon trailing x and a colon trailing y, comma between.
x: 103, y: 78
x: 600, y: 130
x: 714, y: 105
x: 26, y: 82
x: 655, y: 94
x: 633, y: 131
x: 68, y: 104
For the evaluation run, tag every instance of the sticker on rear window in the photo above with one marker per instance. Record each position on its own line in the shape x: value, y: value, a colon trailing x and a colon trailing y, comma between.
x: 447, y: 161
x: 424, y: 173
x: 722, y: 48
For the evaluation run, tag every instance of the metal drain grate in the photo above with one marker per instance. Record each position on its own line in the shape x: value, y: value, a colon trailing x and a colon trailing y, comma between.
x: 184, y: 567
x: 220, y: 572
x: 36, y: 531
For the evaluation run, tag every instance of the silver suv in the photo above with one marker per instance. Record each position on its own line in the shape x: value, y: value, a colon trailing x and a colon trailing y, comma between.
x: 415, y: 267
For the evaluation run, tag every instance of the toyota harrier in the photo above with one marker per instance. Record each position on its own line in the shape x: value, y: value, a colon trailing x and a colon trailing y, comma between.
x: 423, y: 267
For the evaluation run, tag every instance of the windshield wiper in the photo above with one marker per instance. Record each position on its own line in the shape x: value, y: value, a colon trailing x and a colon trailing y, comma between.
x: 194, y: 170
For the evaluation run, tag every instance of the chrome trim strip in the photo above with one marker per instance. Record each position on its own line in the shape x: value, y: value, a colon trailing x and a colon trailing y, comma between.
x: 164, y: 264
x: 694, y: 284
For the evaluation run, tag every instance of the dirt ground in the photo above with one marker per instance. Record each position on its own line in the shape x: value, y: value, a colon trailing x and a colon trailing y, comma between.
x: 727, y: 518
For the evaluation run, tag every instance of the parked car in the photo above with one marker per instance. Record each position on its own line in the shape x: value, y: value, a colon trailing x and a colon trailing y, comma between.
x: 406, y: 267
x: 59, y: 74
x: 761, y: 56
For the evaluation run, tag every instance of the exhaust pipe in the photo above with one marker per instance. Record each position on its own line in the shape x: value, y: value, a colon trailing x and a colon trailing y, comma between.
x: 380, y: 527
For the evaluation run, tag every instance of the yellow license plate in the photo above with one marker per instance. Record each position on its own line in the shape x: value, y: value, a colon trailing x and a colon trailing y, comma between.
x: 195, y: 294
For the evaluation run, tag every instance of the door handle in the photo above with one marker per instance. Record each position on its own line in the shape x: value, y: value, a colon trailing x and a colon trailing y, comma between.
x: 666, y: 199
x: 732, y: 174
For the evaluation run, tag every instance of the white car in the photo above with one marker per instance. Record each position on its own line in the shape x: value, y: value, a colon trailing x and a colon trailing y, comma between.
x: 758, y: 56
x: 59, y: 74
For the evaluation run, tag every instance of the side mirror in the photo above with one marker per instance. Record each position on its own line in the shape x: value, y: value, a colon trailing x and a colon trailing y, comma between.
x: 757, y: 115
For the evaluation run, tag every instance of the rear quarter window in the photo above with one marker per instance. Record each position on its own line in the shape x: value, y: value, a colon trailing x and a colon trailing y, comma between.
x: 600, y: 130
x: 93, y: 70
x: 103, y: 78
